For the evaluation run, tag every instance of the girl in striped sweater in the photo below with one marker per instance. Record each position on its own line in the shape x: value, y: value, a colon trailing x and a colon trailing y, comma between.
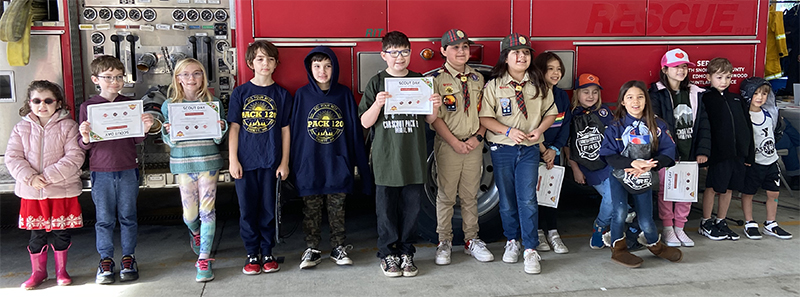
x: 196, y: 163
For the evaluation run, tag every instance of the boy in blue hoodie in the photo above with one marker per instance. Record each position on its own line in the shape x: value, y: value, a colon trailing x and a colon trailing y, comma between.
x: 328, y: 142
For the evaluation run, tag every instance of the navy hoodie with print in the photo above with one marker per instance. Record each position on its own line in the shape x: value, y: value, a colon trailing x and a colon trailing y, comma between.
x: 327, y: 139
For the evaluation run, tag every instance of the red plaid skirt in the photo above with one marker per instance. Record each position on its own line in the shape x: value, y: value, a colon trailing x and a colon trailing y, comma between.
x: 50, y: 214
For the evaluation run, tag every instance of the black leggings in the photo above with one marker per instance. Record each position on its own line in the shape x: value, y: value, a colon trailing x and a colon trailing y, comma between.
x: 547, y: 218
x: 61, y: 240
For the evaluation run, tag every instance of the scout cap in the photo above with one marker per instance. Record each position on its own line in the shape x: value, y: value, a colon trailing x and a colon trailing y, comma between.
x: 586, y: 80
x: 453, y: 37
x: 675, y: 57
x: 515, y: 41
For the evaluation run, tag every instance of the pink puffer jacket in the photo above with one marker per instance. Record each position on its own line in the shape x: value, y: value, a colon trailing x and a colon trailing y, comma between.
x: 51, y: 150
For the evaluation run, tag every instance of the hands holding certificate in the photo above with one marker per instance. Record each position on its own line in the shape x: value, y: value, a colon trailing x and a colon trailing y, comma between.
x: 117, y: 120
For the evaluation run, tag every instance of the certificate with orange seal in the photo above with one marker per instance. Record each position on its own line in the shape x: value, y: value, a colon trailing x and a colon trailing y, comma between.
x: 115, y: 120
x: 194, y: 120
x: 548, y: 186
x: 680, y: 182
x: 410, y: 95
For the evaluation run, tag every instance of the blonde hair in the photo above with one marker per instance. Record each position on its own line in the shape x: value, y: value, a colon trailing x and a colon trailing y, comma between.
x: 176, y: 93
x: 575, y: 102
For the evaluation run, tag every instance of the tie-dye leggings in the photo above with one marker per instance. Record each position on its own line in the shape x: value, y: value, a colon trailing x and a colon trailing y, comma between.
x: 198, y: 195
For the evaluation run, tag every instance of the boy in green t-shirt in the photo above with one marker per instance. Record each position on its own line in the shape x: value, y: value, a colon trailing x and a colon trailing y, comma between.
x: 399, y: 166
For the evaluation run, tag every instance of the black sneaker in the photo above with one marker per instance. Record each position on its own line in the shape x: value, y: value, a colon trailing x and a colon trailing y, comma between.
x: 311, y: 257
x: 775, y: 230
x: 751, y: 230
x: 390, y: 267
x: 105, y: 272
x: 408, y: 267
x: 129, y: 270
x: 339, y: 255
x: 723, y: 228
x: 710, y: 230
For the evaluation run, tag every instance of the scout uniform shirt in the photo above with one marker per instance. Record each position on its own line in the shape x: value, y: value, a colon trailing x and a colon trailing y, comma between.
x: 499, y: 102
x: 462, y: 120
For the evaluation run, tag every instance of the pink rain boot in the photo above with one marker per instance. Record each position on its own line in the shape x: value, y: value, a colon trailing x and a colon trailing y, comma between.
x: 61, y: 267
x: 39, y: 268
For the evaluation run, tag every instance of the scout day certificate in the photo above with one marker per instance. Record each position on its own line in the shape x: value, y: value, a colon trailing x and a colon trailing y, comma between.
x: 195, y: 120
x: 680, y: 182
x: 115, y: 120
x: 548, y: 187
x: 410, y: 95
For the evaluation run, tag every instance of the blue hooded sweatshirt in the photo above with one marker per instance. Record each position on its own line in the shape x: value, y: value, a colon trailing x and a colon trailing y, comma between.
x: 327, y: 139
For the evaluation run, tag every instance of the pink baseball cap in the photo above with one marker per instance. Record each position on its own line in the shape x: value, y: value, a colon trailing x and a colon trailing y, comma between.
x: 675, y: 57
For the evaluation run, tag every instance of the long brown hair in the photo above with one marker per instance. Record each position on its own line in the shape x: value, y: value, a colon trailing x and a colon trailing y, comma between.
x: 535, y: 75
x: 648, y: 116
x: 43, y: 85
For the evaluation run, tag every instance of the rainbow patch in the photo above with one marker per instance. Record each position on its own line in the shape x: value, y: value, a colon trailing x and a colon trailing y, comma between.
x: 559, y: 120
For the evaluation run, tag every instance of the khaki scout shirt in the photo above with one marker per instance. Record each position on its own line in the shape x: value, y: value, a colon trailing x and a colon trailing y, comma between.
x: 462, y: 124
x: 500, y: 90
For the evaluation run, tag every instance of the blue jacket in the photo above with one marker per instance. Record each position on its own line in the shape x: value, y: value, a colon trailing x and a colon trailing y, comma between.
x: 558, y: 133
x: 595, y: 177
x: 613, y: 144
x: 327, y: 139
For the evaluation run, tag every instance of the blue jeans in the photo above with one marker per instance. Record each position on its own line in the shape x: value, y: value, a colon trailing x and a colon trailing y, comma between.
x: 606, y: 209
x: 643, y: 204
x: 114, y: 195
x: 516, y: 171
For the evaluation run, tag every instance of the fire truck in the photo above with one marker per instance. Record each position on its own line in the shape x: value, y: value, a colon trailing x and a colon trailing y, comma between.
x: 617, y: 40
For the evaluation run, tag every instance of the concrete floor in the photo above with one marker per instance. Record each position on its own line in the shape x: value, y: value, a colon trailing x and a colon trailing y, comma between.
x: 767, y: 267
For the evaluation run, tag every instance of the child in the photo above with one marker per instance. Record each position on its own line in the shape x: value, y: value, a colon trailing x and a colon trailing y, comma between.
x: 679, y: 103
x: 590, y: 119
x: 764, y: 173
x: 259, y: 113
x: 328, y: 143
x: 115, y: 176
x: 732, y: 148
x: 44, y: 158
x: 196, y: 162
x: 554, y: 139
x: 458, y: 147
x: 517, y: 109
x: 398, y: 160
x: 635, y: 143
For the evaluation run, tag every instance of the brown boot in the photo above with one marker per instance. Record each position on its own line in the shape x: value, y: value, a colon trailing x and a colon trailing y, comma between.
x: 620, y: 254
x: 662, y: 250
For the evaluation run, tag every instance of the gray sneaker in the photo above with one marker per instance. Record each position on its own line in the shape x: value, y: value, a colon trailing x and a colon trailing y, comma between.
x: 443, y: 252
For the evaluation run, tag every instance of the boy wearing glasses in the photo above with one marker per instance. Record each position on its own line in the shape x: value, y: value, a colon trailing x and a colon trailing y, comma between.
x: 458, y: 147
x: 258, y: 146
x: 115, y: 176
x: 399, y: 165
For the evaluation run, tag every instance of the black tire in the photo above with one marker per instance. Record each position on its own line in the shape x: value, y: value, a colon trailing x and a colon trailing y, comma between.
x: 491, y: 228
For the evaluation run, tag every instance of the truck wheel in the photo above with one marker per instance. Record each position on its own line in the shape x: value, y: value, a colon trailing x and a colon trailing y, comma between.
x: 488, y: 210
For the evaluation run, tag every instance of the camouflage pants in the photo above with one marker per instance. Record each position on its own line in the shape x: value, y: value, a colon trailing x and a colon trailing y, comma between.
x: 312, y: 217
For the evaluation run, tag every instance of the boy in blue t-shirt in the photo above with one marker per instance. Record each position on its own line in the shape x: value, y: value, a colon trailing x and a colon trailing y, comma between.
x: 259, y: 122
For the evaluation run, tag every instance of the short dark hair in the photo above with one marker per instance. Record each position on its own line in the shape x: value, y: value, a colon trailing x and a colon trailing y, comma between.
x: 542, y: 59
x: 44, y: 85
x: 260, y: 45
x: 319, y: 57
x: 395, y: 39
x: 105, y: 62
x: 719, y: 65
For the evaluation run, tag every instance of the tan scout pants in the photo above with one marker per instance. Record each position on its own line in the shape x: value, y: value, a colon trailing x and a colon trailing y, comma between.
x: 457, y: 174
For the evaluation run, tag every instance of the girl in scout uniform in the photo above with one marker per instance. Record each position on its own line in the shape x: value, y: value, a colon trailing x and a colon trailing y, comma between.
x: 517, y: 109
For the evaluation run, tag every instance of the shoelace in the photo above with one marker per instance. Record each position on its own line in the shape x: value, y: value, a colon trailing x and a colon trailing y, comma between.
x: 196, y: 239
x: 127, y: 263
x: 252, y: 260
x: 391, y: 261
x: 203, y: 263
x: 512, y: 246
x: 477, y: 243
x: 307, y: 253
x: 407, y: 261
x: 533, y: 254
x: 343, y: 250
x: 106, y: 265
x: 444, y: 245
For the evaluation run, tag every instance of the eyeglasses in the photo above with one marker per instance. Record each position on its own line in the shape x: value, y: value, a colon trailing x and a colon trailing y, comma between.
x: 196, y: 74
x: 47, y: 101
x: 109, y: 79
x: 395, y: 54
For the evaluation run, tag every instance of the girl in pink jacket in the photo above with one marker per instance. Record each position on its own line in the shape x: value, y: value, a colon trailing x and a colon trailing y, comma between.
x: 44, y: 158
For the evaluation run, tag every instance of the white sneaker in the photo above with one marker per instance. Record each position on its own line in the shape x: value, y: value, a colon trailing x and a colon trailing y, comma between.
x: 543, y: 246
x: 668, y: 234
x: 555, y: 239
x: 477, y: 248
x: 511, y: 255
x: 683, y: 237
x: 532, y: 262
x: 443, y: 252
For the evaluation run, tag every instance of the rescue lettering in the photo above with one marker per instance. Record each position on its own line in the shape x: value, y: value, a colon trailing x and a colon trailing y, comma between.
x: 676, y: 18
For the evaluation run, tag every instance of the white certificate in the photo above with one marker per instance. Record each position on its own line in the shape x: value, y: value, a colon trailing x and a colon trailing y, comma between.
x: 115, y: 120
x: 548, y: 187
x: 410, y: 95
x: 196, y: 120
x: 680, y: 182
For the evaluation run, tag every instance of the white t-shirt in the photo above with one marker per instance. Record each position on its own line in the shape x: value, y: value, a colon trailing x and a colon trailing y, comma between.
x: 763, y: 137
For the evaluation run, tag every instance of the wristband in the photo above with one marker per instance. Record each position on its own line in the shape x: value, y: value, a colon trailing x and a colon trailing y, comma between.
x: 508, y: 131
x: 558, y: 151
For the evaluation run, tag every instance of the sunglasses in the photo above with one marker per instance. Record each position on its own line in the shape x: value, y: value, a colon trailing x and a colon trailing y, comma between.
x: 47, y: 101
